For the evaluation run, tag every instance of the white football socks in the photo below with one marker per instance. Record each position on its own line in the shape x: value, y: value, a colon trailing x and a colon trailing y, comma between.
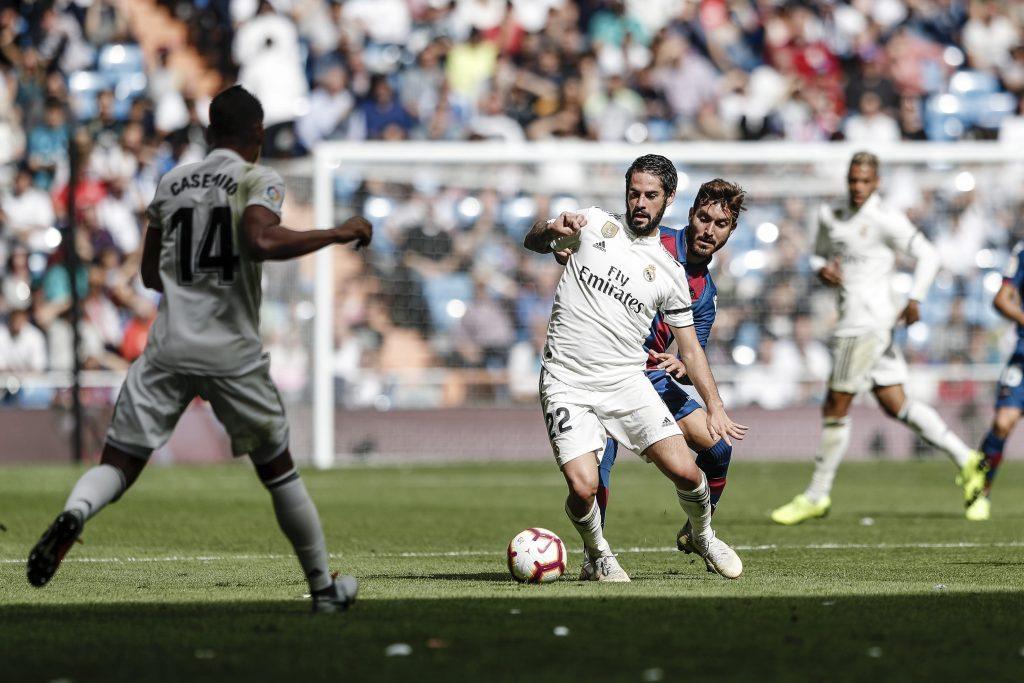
x: 96, y: 488
x: 835, y: 437
x: 298, y: 519
x: 927, y: 424
x: 697, y: 506
x: 589, y: 527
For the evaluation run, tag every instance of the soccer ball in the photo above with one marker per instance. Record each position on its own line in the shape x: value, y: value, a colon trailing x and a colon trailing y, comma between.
x: 536, y: 556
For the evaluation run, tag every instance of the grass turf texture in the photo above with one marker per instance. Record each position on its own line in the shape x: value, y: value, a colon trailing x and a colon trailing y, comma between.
x: 857, y: 596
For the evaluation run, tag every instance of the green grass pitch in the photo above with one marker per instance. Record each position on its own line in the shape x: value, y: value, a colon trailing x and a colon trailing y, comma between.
x: 188, y: 578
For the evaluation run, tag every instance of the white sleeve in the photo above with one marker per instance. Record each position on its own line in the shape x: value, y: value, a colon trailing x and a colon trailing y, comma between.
x: 677, y: 309
x: 926, y: 267
x: 822, y: 243
x: 266, y: 189
x: 906, y: 239
x: 898, y: 232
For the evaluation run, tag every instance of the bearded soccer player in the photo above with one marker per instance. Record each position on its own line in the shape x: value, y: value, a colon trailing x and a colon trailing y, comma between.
x: 210, y: 226
x: 619, y: 276
x: 1010, y: 396
x: 855, y: 254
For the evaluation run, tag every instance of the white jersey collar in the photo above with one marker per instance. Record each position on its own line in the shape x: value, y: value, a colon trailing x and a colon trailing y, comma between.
x: 869, y: 203
x: 225, y: 152
x: 634, y: 237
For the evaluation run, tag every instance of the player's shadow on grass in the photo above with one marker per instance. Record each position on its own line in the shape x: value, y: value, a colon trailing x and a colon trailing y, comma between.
x: 750, y: 638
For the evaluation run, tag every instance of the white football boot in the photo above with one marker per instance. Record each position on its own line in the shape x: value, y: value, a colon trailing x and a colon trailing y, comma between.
x: 604, y: 567
x: 337, y: 597
x: 587, y: 570
x: 684, y: 543
x: 718, y: 556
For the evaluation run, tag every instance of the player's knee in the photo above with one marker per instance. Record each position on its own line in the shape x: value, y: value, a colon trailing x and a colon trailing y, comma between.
x: 835, y: 405
x: 584, y: 490
x: 896, y: 411
x: 686, y: 475
x: 277, y: 469
x: 130, y: 466
x: 583, y: 487
x: 1004, y: 424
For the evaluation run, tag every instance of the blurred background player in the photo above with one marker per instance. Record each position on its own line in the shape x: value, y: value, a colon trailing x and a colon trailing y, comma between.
x: 592, y: 383
x: 712, y: 220
x: 1010, y: 397
x: 211, y: 225
x: 855, y: 253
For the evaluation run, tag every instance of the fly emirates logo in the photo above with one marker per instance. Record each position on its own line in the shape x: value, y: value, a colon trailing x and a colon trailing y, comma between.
x: 613, y: 284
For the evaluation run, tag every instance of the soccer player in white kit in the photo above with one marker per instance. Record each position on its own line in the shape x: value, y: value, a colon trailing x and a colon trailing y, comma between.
x: 210, y: 226
x: 592, y: 381
x: 855, y: 253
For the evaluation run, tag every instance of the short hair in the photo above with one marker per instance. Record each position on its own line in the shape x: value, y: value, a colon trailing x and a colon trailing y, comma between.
x: 865, y: 159
x: 728, y: 195
x: 234, y: 113
x: 657, y: 166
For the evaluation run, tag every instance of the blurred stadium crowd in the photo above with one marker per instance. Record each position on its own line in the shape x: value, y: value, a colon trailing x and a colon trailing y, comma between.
x: 448, y: 289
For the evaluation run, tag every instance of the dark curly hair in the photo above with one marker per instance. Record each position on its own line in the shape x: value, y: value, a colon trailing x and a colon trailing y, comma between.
x: 657, y: 166
x: 728, y: 195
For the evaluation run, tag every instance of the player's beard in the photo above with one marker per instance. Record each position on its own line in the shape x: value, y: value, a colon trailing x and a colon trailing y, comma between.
x: 703, y: 250
x: 651, y: 226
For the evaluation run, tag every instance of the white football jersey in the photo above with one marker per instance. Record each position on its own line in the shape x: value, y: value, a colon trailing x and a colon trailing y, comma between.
x: 866, y: 242
x: 208, y: 322
x: 608, y: 295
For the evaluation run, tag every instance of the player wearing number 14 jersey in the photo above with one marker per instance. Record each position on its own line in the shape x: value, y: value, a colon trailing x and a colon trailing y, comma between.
x: 210, y: 226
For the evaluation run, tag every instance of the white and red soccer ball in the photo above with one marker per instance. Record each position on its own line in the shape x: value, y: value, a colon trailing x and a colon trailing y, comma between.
x: 536, y: 556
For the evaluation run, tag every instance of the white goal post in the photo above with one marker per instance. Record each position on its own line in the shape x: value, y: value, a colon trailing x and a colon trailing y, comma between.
x: 822, y: 168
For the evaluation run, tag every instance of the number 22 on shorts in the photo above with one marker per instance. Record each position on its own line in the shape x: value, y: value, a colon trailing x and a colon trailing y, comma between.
x: 558, y: 421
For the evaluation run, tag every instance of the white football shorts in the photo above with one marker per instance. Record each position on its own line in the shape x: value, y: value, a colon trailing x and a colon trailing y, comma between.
x: 865, y: 361
x: 152, y: 400
x: 579, y: 420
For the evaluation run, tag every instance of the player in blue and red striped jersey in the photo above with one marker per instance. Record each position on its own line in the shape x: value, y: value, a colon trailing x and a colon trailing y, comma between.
x: 712, y: 220
x: 1010, y: 396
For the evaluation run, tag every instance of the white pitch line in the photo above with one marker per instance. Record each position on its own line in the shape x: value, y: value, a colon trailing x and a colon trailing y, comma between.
x: 485, y: 553
x: 751, y: 548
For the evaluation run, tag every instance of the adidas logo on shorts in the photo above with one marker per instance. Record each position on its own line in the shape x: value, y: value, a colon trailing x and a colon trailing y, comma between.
x: 600, y: 245
x: 666, y: 422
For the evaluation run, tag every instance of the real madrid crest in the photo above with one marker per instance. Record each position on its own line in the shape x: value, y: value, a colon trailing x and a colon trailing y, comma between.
x: 609, y: 229
x: 649, y: 273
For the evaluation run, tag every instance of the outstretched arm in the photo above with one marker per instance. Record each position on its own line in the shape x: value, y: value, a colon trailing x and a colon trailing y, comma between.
x: 267, y: 240
x: 543, y: 232
x: 697, y: 369
x: 823, y: 261
x: 925, y: 269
